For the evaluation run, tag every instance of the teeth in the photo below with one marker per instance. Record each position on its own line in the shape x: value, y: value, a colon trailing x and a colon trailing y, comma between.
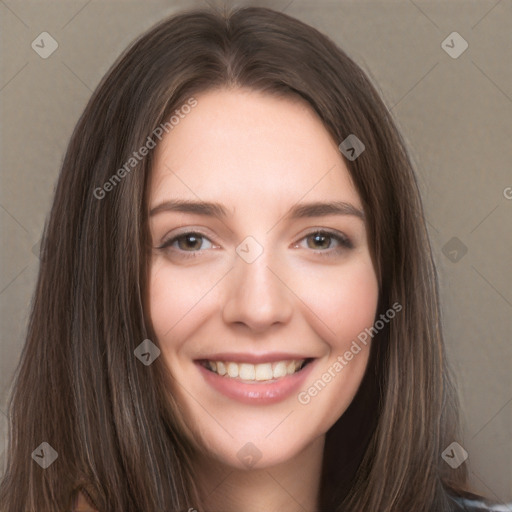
x: 280, y: 369
x: 221, y: 368
x: 232, y: 369
x: 247, y: 371
x: 258, y: 372
x: 264, y: 371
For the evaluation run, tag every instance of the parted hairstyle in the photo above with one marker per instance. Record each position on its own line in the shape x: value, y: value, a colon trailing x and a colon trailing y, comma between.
x: 111, y: 419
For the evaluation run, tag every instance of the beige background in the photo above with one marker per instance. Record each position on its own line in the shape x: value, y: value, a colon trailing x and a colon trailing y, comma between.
x: 455, y: 114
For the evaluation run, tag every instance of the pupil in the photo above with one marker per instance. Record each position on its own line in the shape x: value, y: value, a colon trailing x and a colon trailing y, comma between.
x: 321, y: 237
x: 194, y: 239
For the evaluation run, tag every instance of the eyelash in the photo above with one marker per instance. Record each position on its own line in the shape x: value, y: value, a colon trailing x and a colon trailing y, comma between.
x: 344, y: 242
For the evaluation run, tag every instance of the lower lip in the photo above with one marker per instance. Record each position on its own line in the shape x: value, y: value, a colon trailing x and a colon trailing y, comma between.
x: 260, y: 393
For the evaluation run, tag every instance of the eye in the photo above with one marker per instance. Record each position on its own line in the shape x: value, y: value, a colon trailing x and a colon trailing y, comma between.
x: 190, y: 242
x: 321, y: 241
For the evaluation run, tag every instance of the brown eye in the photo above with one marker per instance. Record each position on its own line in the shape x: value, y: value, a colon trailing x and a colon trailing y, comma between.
x: 190, y: 242
x: 322, y: 242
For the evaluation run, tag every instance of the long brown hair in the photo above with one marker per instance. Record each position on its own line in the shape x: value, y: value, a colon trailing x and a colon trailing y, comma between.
x: 111, y: 419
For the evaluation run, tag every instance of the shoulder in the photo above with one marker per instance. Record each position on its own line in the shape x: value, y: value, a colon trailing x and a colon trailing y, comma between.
x: 466, y: 504
x: 82, y: 504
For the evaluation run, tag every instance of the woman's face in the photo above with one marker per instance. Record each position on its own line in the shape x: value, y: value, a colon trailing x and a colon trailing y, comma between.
x: 257, y: 298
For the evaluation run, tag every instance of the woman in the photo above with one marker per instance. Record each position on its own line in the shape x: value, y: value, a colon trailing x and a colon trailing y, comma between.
x: 237, y: 307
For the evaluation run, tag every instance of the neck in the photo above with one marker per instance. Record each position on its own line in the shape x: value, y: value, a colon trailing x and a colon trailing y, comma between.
x: 292, y: 486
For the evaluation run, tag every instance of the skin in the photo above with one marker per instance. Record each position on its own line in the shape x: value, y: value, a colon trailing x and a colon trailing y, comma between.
x: 258, y: 155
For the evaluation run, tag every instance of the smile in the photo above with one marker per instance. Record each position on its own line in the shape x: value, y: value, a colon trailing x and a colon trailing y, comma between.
x: 255, y: 380
x: 262, y: 372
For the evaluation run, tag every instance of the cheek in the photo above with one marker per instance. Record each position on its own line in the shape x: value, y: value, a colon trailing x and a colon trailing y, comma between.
x: 339, y: 304
x: 340, y: 311
x: 342, y: 301
x: 173, y: 295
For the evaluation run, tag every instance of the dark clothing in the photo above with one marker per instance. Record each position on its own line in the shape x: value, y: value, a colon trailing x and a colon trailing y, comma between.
x: 475, y: 505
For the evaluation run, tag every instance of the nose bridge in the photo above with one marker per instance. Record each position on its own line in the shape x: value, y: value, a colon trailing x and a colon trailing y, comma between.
x: 257, y: 295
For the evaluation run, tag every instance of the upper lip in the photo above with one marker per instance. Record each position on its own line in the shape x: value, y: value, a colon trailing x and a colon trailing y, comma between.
x: 269, y: 357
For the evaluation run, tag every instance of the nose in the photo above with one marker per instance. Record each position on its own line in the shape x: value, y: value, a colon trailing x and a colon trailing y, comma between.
x: 257, y: 295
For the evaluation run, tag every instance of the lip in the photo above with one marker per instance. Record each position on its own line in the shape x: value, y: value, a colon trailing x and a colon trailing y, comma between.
x: 257, y: 393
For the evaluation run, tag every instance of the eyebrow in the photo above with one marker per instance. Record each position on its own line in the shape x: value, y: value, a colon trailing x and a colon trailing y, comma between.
x: 298, y: 211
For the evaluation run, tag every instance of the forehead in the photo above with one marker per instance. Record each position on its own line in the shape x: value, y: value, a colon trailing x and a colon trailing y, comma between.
x: 250, y: 146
